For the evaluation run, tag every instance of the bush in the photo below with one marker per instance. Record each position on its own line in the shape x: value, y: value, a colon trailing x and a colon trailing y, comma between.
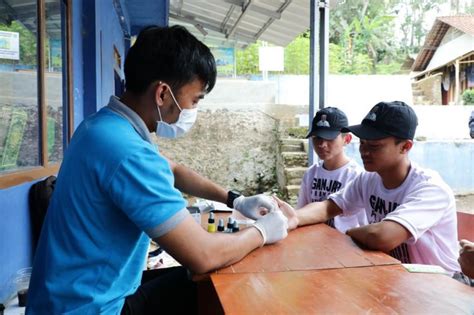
x: 298, y: 132
x: 468, y: 97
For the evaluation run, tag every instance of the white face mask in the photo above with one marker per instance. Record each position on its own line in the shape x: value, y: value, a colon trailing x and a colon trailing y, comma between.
x: 186, y: 119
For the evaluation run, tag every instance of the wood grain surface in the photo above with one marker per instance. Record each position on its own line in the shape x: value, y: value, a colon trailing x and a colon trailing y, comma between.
x: 362, y: 290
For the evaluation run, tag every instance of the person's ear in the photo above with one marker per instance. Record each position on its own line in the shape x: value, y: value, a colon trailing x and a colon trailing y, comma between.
x: 406, y: 146
x: 160, y: 90
x: 347, y: 138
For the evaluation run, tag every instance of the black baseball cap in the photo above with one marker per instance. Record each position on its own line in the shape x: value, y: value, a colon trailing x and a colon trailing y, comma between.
x: 387, y: 119
x: 327, y: 123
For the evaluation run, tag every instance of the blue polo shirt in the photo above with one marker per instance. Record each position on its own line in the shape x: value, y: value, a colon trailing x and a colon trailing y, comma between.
x: 114, y: 191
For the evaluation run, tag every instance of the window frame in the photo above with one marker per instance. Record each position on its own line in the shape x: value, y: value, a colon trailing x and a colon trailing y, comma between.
x: 46, y: 168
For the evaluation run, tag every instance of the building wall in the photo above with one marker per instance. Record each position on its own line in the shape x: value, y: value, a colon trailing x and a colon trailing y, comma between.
x: 343, y: 90
x: 452, y: 50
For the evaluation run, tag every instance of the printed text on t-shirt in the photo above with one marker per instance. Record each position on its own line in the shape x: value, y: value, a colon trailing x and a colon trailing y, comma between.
x: 322, y: 187
x: 380, y: 208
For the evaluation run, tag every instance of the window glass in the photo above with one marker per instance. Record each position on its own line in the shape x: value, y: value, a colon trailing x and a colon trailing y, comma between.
x: 54, y: 80
x: 19, y: 127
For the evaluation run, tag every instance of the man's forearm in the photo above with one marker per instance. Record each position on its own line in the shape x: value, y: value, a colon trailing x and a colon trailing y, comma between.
x: 190, y: 182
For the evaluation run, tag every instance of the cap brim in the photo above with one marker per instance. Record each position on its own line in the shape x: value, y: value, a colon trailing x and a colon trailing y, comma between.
x: 325, y: 134
x: 366, y: 132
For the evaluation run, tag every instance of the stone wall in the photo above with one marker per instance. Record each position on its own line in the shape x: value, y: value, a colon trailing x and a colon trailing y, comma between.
x: 431, y: 88
x: 236, y: 149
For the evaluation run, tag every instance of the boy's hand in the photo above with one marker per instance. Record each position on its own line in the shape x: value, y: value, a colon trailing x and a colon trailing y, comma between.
x: 289, y: 212
x: 466, y: 258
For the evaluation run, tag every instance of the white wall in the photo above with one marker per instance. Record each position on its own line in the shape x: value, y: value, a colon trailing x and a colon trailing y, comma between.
x: 284, y: 97
x: 451, y: 50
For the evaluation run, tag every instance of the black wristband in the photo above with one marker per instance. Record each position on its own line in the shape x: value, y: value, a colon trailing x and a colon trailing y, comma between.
x: 231, y: 196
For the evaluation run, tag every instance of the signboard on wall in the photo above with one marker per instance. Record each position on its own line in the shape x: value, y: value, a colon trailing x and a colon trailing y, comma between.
x: 9, y: 45
x: 271, y: 58
x: 225, y: 62
x: 55, y: 53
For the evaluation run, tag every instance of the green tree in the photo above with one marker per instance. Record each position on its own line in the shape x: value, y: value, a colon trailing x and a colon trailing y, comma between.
x: 364, y: 29
x: 297, y: 55
x: 247, y: 59
x: 414, y: 13
x: 370, y: 37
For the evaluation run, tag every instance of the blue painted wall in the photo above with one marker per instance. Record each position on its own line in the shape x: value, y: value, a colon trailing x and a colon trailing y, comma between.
x: 110, y: 35
x: 15, y: 236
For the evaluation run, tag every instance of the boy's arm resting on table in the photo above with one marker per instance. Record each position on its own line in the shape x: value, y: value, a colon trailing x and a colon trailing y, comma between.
x: 202, y: 252
x: 317, y: 212
x: 383, y: 236
x: 466, y: 258
x: 312, y: 213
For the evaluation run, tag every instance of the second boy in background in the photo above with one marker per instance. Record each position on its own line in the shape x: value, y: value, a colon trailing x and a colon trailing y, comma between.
x: 334, y: 170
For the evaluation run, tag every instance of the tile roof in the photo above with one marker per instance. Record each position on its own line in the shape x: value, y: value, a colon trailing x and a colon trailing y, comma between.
x: 464, y: 23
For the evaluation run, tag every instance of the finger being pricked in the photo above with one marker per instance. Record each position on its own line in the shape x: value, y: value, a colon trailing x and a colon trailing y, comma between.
x: 263, y: 211
x: 285, y: 207
x: 288, y: 211
x: 278, y: 200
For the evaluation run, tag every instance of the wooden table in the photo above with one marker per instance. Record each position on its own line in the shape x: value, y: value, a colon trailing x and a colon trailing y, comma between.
x: 380, y: 289
x: 317, y: 269
x: 308, y: 248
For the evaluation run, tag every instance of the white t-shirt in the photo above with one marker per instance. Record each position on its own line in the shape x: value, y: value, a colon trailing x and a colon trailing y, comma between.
x: 424, y: 204
x: 318, y: 183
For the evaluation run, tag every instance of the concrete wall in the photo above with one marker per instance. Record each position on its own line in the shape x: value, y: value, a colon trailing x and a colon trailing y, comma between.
x: 236, y: 149
x: 238, y: 94
x: 355, y: 95
x: 349, y: 90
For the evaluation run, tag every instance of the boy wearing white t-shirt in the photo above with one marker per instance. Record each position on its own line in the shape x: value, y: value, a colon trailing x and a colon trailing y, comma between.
x: 411, y: 211
x: 334, y: 170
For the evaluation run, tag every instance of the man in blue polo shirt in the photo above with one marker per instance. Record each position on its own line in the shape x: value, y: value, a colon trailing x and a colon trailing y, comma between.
x: 115, y: 191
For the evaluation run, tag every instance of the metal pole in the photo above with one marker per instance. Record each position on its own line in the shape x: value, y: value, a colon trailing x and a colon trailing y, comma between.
x: 323, y: 52
x: 313, y: 79
x: 318, y: 85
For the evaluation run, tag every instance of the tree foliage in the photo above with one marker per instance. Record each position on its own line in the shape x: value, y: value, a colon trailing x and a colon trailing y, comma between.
x: 247, y: 59
x: 413, y: 28
x: 365, y: 36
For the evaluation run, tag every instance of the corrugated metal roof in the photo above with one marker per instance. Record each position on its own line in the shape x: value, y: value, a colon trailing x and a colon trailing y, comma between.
x: 464, y: 23
x: 25, y: 11
x: 240, y: 22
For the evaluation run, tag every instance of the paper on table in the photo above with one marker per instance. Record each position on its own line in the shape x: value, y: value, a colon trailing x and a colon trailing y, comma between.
x: 219, y: 206
x: 424, y: 268
x: 205, y: 205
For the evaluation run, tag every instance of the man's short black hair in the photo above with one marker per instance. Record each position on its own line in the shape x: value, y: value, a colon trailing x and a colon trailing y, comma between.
x: 169, y: 54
